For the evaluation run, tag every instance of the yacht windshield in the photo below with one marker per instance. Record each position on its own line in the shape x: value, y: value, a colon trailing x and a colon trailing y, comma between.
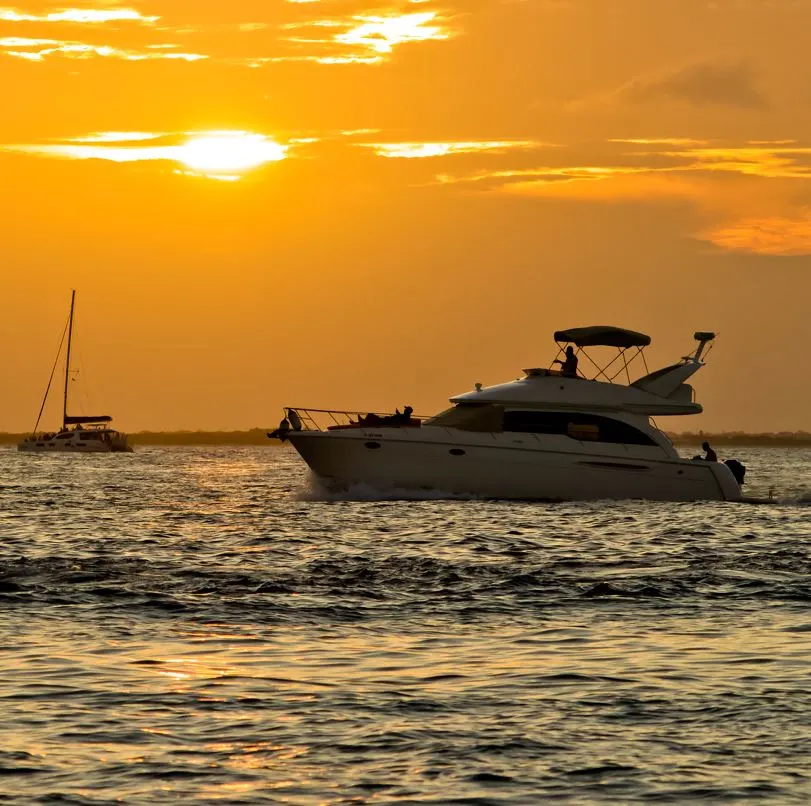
x: 484, y: 417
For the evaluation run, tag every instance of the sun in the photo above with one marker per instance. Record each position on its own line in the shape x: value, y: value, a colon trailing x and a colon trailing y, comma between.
x: 228, y: 152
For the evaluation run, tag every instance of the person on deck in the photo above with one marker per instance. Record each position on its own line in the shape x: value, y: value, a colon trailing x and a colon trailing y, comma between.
x: 403, y: 418
x: 709, y: 454
x: 282, y: 431
x: 568, y: 366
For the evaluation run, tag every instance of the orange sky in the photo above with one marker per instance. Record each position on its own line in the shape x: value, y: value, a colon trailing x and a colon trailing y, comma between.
x: 399, y: 199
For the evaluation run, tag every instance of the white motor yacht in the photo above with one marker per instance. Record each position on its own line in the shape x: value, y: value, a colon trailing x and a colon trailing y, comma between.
x: 78, y: 434
x: 554, y: 434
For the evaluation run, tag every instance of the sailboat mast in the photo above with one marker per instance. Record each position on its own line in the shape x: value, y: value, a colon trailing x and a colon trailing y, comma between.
x: 67, y: 360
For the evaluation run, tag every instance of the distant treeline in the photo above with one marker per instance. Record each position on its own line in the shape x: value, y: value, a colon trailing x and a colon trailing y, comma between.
x: 782, y: 439
x: 258, y: 436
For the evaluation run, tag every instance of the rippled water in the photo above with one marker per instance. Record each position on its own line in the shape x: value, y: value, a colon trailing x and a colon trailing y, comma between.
x: 202, y: 626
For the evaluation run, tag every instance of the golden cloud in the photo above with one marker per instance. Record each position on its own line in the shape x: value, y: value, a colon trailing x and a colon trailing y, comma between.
x: 368, y: 39
x: 764, y: 236
x: 79, y: 16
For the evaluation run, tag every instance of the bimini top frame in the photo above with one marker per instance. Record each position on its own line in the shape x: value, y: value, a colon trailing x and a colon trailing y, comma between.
x: 629, y: 343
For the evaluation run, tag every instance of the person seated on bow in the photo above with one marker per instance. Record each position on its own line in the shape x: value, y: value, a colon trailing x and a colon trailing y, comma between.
x: 282, y: 431
x: 401, y: 418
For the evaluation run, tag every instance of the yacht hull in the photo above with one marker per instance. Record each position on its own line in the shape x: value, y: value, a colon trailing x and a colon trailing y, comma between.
x: 521, y: 467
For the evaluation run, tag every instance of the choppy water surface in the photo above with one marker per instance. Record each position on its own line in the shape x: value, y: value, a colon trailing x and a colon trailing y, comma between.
x: 195, y: 626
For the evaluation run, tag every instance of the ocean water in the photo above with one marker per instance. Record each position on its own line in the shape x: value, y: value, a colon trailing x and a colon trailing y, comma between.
x: 203, y: 626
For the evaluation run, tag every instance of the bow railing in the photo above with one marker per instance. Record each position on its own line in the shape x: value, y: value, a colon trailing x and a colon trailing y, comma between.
x: 302, y: 419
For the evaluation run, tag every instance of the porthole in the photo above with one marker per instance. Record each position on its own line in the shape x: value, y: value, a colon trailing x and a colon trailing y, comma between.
x: 372, y: 446
x: 456, y: 452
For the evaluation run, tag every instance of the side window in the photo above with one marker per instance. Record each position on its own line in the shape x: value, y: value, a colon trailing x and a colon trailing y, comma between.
x: 64, y: 436
x: 623, y: 433
x: 537, y: 422
x: 582, y: 427
x: 585, y: 432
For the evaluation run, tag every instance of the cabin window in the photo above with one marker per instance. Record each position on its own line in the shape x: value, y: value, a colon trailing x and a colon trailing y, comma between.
x: 483, y: 417
x: 64, y: 436
x: 582, y: 427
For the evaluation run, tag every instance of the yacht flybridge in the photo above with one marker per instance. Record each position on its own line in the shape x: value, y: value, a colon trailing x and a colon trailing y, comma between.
x: 78, y: 434
x: 556, y: 434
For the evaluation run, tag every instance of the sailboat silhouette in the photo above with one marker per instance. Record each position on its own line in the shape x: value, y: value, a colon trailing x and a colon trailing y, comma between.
x: 89, y: 433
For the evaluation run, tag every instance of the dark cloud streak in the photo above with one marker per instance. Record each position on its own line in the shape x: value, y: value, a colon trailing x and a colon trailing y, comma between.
x: 707, y: 83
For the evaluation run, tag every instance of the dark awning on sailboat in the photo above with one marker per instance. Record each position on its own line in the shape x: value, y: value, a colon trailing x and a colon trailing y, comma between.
x: 102, y: 418
x: 603, y: 336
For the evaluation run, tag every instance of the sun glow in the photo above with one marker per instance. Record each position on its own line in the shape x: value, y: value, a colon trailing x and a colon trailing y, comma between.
x: 224, y: 155
x: 229, y: 152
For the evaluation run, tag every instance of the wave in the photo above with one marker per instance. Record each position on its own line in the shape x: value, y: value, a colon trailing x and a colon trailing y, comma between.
x: 319, y: 490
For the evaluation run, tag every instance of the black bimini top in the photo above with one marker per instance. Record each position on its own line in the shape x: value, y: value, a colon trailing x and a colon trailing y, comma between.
x: 101, y: 418
x: 603, y: 336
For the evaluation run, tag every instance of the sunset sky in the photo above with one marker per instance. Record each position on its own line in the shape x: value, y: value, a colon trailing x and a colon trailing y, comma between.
x: 366, y: 204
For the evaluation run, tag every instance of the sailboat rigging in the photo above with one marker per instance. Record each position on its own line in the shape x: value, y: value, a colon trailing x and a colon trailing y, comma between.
x: 90, y: 434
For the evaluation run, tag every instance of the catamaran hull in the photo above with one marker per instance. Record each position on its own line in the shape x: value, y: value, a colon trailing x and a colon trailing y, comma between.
x: 71, y: 449
x: 506, y: 467
x: 75, y: 444
x: 60, y: 449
